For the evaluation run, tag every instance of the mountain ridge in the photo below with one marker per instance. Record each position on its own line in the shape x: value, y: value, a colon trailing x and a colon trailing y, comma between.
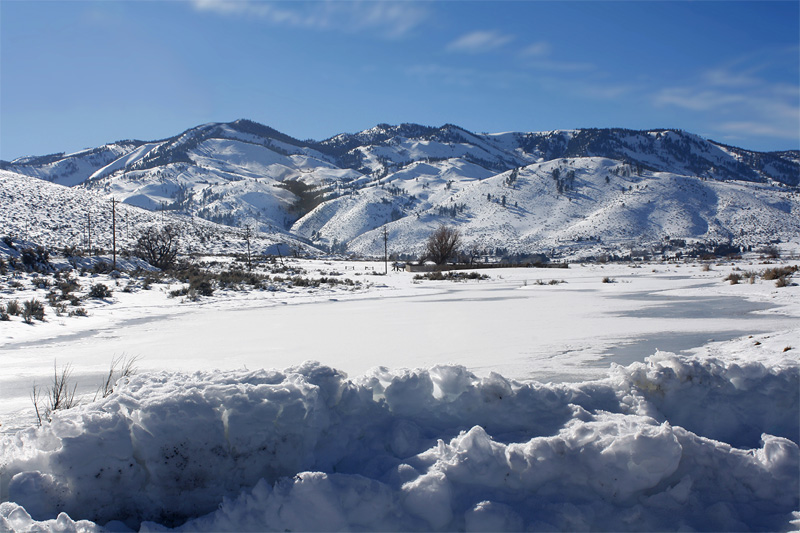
x: 579, y: 142
x: 338, y: 192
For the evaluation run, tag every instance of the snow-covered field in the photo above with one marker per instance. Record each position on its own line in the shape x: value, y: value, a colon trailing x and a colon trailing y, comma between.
x: 435, y: 405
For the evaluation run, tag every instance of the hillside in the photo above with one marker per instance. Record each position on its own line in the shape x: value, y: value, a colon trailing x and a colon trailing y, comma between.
x: 33, y: 212
x: 578, y: 191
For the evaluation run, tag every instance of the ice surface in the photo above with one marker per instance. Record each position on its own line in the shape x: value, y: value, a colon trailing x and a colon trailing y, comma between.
x: 677, y: 442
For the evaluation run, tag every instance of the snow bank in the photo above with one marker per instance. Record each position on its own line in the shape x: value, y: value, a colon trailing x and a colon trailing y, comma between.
x: 673, y: 443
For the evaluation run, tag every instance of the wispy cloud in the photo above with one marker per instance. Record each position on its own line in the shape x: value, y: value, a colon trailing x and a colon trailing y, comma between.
x: 479, y: 41
x: 391, y: 19
x: 757, y: 128
x: 560, y: 66
x: 540, y: 49
x: 738, y: 100
x: 599, y: 91
x: 697, y: 98
x: 539, y: 56
x: 466, y: 77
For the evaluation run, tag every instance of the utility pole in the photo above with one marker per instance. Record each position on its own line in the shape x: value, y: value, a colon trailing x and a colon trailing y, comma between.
x: 89, y: 231
x: 114, y: 233
x: 278, y: 249
x: 247, y: 234
x: 385, y: 250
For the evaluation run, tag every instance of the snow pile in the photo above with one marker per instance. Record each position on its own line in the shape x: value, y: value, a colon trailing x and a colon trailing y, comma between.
x: 436, y: 449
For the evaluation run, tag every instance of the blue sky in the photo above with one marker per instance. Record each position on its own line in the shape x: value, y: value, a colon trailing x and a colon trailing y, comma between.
x: 78, y: 74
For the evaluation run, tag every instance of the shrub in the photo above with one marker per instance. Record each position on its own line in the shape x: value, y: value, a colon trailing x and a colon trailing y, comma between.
x: 121, y: 367
x: 778, y: 272
x: 233, y: 277
x: 734, y: 278
x: 67, y: 286
x: 750, y: 276
x: 81, y: 311
x: 606, y: 279
x: 770, y: 252
x: 33, y: 309
x: 28, y: 256
x: 147, y: 282
x: 57, y: 397
x: 71, y: 251
x: 202, y: 285
x: 299, y: 281
x: 13, y: 308
x: 183, y: 291
x: 102, y: 267
x: 99, y: 290
x: 4, y: 316
x: 129, y: 287
x: 53, y: 298
x: 42, y: 283
x: 37, y: 259
x: 451, y: 276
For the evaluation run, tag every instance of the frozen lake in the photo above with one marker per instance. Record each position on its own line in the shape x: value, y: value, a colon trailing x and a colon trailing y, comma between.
x: 508, y: 324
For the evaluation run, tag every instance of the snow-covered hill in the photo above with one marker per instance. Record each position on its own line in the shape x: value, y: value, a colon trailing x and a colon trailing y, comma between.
x: 582, y: 190
x: 40, y: 213
x: 598, y: 204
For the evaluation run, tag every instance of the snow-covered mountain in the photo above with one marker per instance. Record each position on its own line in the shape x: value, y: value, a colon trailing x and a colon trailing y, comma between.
x: 33, y: 212
x: 520, y: 192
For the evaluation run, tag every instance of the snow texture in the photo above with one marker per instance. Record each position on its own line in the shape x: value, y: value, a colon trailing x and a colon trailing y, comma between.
x: 674, y: 443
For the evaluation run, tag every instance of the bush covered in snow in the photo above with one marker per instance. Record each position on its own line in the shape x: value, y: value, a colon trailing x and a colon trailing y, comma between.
x: 673, y: 443
x: 99, y: 290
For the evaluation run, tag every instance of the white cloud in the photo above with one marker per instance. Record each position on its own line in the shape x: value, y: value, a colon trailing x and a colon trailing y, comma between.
x: 466, y: 77
x: 479, y: 41
x: 560, y: 66
x: 538, y: 56
x: 764, y: 113
x: 606, y: 92
x: 737, y: 100
x: 696, y: 98
x: 390, y: 19
x: 540, y: 49
x: 761, y: 129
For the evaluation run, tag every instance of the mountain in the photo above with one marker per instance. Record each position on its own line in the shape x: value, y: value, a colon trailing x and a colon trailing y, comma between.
x: 34, y: 212
x: 555, y: 192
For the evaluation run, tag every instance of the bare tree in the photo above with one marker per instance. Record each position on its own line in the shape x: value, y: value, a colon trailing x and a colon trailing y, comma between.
x: 159, y: 247
x: 442, y: 244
